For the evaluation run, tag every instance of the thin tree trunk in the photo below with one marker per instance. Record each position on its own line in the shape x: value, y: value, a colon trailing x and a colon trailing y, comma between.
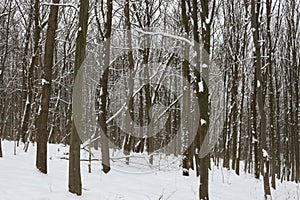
x: 27, y: 89
x: 255, y: 9
x: 271, y: 93
x: 130, y: 115
x: 278, y: 143
x: 203, y: 96
x: 1, y: 154
x: 237, y: 170
x: 186, y: 165
x: 103, y: 85
x: 146, y: 54
x: 30, y: 76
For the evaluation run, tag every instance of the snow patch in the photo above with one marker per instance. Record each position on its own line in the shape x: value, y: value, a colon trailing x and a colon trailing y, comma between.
x: 265, y: 153
x: 258, y: 83
x: 201, y: 88
x: 27, y: 100
x: 204, y: 66
x: 207, y: 21
x: 40, y: 110
x: 44, y: 82
x: 254, y: 140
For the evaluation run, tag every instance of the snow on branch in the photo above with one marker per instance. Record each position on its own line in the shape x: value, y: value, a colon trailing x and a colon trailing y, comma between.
x: 166, y: 35
x: 265, y: 154
x: 61, y: 4
x: 3, y: 14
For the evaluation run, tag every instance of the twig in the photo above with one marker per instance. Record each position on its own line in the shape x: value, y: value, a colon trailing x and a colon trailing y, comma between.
x: 61, y: 4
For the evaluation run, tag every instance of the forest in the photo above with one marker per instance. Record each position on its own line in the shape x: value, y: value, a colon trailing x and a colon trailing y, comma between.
x: 210, y: 83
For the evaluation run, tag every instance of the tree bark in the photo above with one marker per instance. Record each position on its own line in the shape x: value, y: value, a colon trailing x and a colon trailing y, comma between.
x: 203, y: 96
x: 186, y: 165
x: 75, y: 185
x: 27, y: 81
x: 255, y: 9
x: 42, y: 132
x: 271, y: 92
x: 103, y: 85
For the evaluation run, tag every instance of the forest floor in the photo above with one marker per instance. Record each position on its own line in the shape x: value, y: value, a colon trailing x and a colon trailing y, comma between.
x: 20, y: 180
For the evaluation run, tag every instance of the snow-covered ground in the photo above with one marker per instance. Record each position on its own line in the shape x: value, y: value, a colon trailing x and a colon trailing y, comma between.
x: 20, y: 180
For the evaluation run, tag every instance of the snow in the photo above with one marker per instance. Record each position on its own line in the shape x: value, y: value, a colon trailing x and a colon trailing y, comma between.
x: 21, y: 180
x: 207, y: 20
x: 44, y: 82
x: 201, y: 88
x: 204, y: 26
x: 27, y: 100
x: 258, y: 83
x: 176, y: 37
x: 40, y: 110
x: 203, y: 122
x: 265, y: 153
x: 254, y: 139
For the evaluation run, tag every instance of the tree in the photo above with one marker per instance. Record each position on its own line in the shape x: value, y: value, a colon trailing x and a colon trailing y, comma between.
x: 188, y: 154
x: 27, y: 82
x: 271, y: 90
x: 255, y: 9
x: 42, y: 135
x: 205, y: 14
x: 74, y: 161
x: 130, y: 83
x: 103, y: 85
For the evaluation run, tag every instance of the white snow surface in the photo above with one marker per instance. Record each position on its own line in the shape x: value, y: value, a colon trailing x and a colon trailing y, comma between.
x: 20, y: 180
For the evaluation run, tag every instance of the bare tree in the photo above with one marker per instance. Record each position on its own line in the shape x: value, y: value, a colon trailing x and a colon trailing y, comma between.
x: 255, y: 9
x: 75, y: 185
x: 103, y: 84
x: 42, y: 132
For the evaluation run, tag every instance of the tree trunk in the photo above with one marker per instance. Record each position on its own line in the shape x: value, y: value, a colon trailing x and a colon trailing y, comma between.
x: 103, y: 85
x: 203, y: 96
x: 255, y: 9
x: 237, y: 170
x: 271, y: 92
x: 1, y: 154
x: 42, y: 132
x: 186, y: 165
x: 30, y: 76
x: 27, y: 81
x: 74, y: 161
x: 130, y: 113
